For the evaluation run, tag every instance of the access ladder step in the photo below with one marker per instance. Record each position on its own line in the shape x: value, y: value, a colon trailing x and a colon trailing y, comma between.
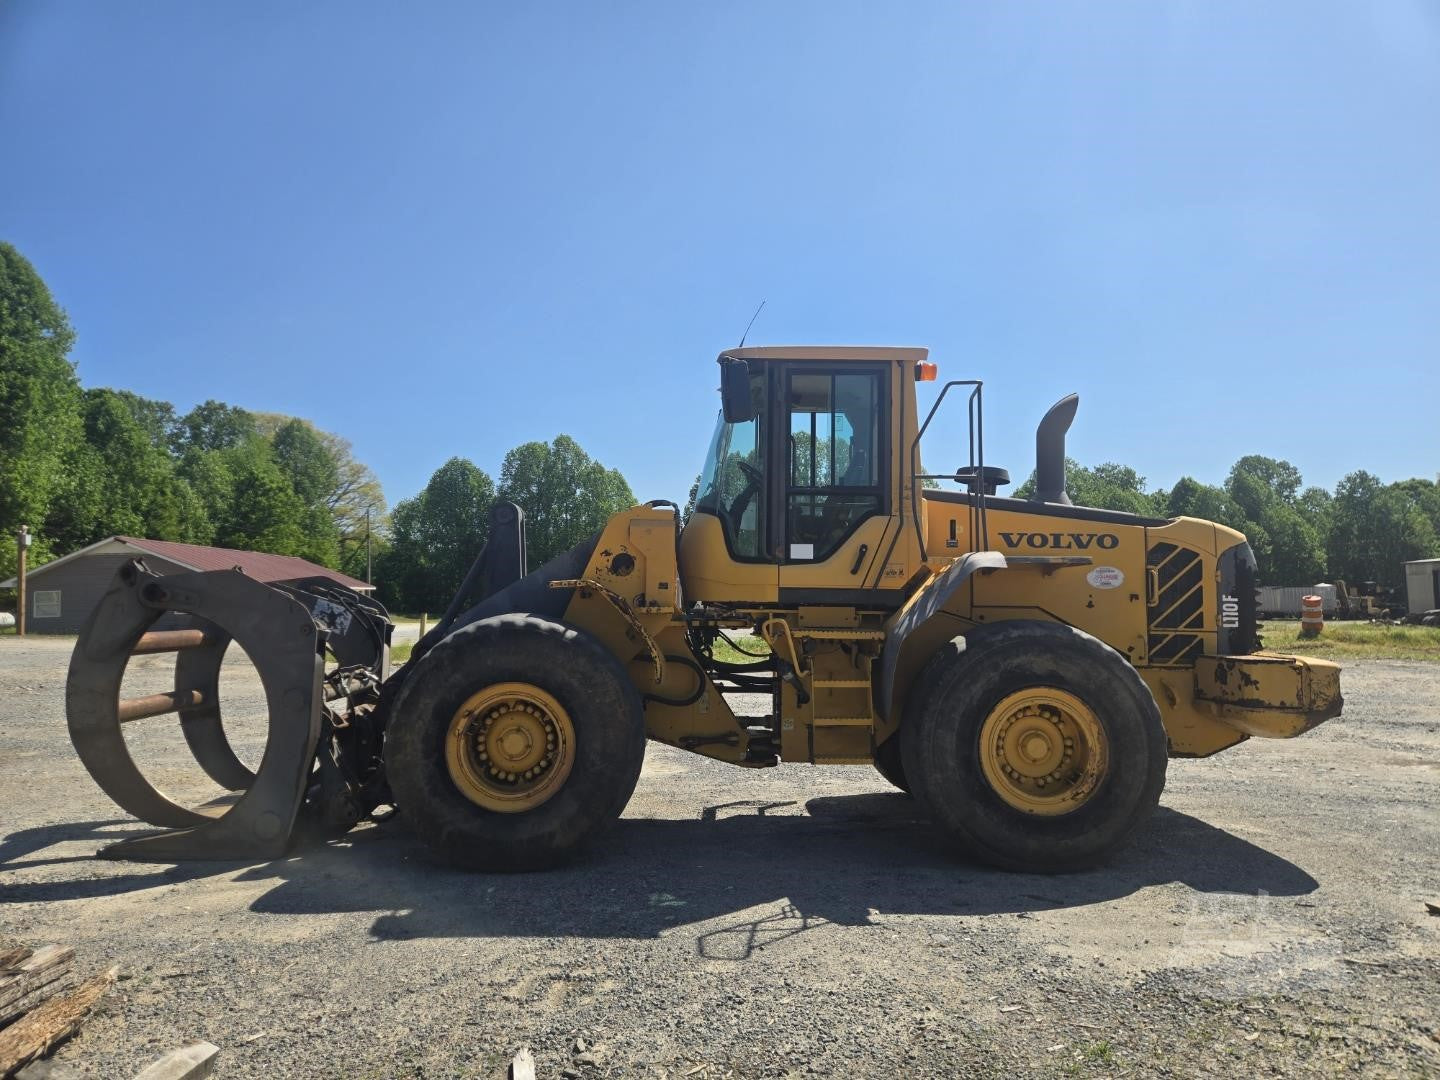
x: 842, y: 721
x: 839, y: 633
x: 836, y: 684
x: 844, y: 760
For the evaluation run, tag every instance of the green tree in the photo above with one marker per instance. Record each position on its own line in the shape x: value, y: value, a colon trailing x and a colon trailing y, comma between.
x: 1318, y: 504
x: 1376, y: 529
x: 323, y: 469
x: 39, y: 403
x: 566, y: 494
x: 435, y: 536
x: 212, y: 482
x: 1424, y: 496
x: 214, y: 425
x: 306, y: 460
x: 156, y: 417
x: 1190, y: 498
x: 1107, y: 486
x: 262, y: 512
x: 121, y: 479
x: 1289, y: 544
x: 357, y: 506
x: 1280, y: 477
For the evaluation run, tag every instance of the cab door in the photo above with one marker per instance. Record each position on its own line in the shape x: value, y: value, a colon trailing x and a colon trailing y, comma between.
x: 831, y: 503
x: 727, y: 546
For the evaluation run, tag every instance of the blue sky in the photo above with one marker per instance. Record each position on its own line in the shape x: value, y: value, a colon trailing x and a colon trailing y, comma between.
x: 445, y: 229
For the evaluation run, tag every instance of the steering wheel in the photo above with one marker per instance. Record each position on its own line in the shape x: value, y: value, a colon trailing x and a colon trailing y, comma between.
x: 755, y: 483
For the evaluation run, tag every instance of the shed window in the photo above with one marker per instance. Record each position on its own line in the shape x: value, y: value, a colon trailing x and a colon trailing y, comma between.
x: 47, y: 603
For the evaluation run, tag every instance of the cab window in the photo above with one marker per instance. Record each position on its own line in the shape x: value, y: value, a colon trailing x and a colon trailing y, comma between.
x: 732, y: 485
x: 833, y: 479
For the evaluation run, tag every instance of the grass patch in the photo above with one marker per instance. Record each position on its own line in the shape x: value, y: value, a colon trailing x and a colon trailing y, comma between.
x: 400, y: 653
x: 1355, y: 640
x: 723, y: 650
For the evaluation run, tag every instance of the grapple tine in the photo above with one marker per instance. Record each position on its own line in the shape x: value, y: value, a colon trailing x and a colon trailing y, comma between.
x: 199, y: 669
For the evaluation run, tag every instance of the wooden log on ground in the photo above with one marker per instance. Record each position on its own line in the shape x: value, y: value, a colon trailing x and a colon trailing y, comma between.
x: 11, y: 957
x: 40, y: 1030
x: 190, y: 1062
x: 33, y: 980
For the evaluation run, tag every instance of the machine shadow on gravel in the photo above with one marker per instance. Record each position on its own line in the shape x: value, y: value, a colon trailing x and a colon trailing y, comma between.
x: 17, y: 845
x: 839, y: 860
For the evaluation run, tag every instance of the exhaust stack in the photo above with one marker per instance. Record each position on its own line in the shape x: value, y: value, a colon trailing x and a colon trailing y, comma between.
x: 1050, y: 451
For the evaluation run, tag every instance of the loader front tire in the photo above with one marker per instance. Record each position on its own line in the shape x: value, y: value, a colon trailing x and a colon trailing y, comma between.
x: 513, y: 742
x: 1035, y: 745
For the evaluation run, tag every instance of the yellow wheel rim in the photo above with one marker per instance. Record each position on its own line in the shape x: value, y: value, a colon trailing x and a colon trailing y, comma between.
x: 510, y: 747
x: 1043, y: 751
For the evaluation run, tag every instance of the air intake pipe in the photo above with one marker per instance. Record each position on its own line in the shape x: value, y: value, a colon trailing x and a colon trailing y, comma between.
x: 1050, y: 451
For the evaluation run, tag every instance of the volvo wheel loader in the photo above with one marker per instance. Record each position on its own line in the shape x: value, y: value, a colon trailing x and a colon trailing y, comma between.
x: 1022, y: 667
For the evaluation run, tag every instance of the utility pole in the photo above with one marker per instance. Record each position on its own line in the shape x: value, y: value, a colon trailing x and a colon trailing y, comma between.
x: 367, y: 547
x: 22, y: 545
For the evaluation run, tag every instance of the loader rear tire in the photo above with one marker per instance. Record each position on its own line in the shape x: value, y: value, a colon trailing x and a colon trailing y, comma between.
x: 555, y: 678
x: 993, y: 711
x: 889, y: 765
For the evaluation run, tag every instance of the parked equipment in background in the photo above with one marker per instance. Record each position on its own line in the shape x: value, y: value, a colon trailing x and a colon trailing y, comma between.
x: 1338, y: 600
x: 1363, y: 602
x: 1021, y: 666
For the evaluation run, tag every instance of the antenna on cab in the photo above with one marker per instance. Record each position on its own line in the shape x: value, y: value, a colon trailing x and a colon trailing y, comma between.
x: 750, y: 324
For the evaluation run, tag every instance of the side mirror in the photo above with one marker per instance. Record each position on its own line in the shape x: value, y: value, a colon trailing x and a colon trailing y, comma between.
x: 735, y: 401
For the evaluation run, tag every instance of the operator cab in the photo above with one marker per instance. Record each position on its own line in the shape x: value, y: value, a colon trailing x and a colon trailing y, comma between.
x: 799, y: 498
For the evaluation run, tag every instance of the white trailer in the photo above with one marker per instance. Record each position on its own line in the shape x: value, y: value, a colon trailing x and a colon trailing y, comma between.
x: 1283, y: 601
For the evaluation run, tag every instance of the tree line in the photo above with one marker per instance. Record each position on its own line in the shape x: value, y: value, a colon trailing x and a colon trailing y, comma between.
x: 1365, y: 530
x: 79, y: 464
x: 566, y: 496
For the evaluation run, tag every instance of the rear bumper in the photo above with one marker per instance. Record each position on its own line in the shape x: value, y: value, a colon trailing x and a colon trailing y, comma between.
x: 1273, y: 697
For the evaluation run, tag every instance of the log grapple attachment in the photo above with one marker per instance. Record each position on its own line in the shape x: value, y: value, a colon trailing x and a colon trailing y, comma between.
x: 321, y: 651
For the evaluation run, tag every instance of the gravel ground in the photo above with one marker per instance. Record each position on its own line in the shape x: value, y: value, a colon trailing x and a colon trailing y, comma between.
x: 787, y: 922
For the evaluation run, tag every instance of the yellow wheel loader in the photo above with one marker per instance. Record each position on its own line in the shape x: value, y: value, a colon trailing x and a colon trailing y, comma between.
x: 1022, y: 667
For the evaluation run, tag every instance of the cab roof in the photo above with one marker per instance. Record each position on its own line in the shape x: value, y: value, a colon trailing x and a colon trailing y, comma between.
x: 904, y: 354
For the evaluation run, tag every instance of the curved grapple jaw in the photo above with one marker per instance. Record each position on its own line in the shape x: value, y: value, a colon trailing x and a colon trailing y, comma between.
x: 321, y: 651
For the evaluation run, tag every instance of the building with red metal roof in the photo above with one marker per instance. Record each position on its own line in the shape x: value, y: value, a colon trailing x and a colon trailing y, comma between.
x: 62, y: 593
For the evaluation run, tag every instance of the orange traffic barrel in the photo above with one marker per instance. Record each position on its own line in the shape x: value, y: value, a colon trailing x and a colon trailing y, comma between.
x: 1312, y: 615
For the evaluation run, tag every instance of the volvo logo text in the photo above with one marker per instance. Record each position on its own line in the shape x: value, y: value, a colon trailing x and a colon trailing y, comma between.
x: 1060, y: 541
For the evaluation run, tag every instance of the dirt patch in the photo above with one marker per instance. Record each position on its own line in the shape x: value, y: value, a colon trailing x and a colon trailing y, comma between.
x: 794, y: 921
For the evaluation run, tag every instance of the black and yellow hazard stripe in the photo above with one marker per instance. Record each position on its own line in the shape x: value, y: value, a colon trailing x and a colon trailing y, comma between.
x: 1178, y: 604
